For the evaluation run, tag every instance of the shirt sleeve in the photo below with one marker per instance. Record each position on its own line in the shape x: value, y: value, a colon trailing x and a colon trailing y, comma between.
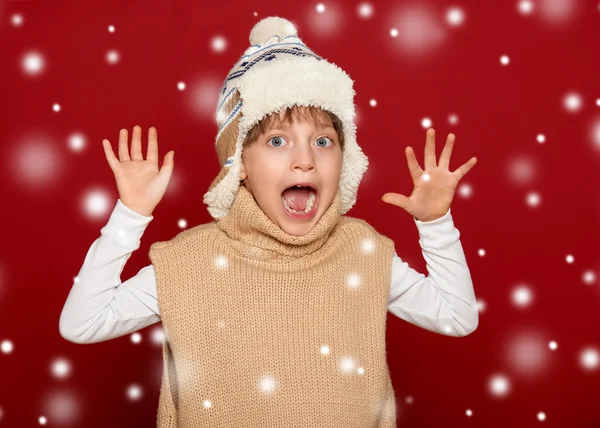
x: 99, y: 307
x: 444, y: 301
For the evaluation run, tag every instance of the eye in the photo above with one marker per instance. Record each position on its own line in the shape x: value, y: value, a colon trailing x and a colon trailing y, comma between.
x: 278, y: 140
x: 324, y: 139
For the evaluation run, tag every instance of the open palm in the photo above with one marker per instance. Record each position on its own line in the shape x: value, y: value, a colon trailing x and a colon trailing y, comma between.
x: 141, y: 184
x: 434, y: 187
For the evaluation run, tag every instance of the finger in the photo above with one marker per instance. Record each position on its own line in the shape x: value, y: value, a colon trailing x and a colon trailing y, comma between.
x: 168, y: 164
x: 110, y: 155
x: 462, y: 171
x: 396, y: 199
x: 136, y: 143
x: 123, y: 150
x: 413, y: 166
x: 152, y: 152
x: 430, y: 149
x: 447, y: 152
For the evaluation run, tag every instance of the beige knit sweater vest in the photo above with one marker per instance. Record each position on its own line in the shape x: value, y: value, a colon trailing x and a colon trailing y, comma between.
x: 266, y: 329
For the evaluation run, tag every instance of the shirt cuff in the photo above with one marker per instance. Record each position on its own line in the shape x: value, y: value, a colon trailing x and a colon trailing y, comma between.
x: 437, y: 220
x: 126, y: 226
x: 430, y: 232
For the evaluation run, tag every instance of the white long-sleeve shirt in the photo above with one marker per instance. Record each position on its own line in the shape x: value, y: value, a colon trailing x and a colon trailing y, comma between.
x: 99, y: 307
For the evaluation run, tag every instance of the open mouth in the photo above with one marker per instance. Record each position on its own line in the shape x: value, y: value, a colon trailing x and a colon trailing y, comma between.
x: 300, y: 201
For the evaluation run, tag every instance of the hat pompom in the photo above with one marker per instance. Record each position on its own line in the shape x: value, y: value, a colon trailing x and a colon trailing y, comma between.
x: 269, y: 27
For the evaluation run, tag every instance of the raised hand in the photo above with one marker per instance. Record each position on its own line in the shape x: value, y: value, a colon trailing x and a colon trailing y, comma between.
x: 140, y: 183
x: 433, y: 188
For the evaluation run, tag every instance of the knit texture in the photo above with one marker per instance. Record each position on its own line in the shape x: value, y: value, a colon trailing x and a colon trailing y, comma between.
x: 266, y: 329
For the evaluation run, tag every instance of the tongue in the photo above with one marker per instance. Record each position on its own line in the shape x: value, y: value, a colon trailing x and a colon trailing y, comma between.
x: 296, y: 197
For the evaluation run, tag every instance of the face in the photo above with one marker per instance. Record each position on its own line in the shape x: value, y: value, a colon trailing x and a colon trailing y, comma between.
x: 303, y: 152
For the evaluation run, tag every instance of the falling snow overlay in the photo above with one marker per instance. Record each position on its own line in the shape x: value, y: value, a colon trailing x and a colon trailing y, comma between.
x: 515, y: 81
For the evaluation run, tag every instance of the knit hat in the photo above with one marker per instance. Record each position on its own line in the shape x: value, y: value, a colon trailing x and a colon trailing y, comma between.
x: 279, y: 71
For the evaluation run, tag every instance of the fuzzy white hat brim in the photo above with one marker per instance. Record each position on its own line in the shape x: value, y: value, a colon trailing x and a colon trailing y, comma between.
x: 306, y: 81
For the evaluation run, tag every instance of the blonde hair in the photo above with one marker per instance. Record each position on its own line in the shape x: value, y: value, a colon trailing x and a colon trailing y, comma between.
x: 295, y: 112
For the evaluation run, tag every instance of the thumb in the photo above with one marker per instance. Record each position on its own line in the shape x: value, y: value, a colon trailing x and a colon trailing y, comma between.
x: 396, y: 199
x: 168, y: 164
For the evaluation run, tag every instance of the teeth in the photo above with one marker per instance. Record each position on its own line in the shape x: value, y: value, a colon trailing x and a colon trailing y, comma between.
x: 309, y: 204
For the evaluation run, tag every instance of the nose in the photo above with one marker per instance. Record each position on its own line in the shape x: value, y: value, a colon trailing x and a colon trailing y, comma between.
x: 303, y: 158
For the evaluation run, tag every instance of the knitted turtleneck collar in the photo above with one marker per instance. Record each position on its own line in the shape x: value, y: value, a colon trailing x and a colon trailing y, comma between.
x: 258, y: 237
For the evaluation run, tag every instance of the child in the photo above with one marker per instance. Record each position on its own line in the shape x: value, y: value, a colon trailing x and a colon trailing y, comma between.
x: 275, y: 313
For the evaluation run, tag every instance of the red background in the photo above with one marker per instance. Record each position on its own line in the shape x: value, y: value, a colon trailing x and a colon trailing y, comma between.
x: 501, y: 110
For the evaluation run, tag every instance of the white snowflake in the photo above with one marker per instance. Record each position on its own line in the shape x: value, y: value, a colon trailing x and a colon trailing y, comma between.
x: 455, y: 16
x: 136, y: 338
x: 499, y: 385
x: 218, y: 44
x: 353, y: 280
x: 267, y: 384
x: 221, y: 261
x: 347, y: 365
x: 134, y: 392
x: 32, y: 63
x: 365, y: 10
x: 7, y: 346
x: 522, y: 296
x: 60, y: 368
x: 589, y: 358
x: 572, y: 102
x: 367, y: 245
x: 533, y: 199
